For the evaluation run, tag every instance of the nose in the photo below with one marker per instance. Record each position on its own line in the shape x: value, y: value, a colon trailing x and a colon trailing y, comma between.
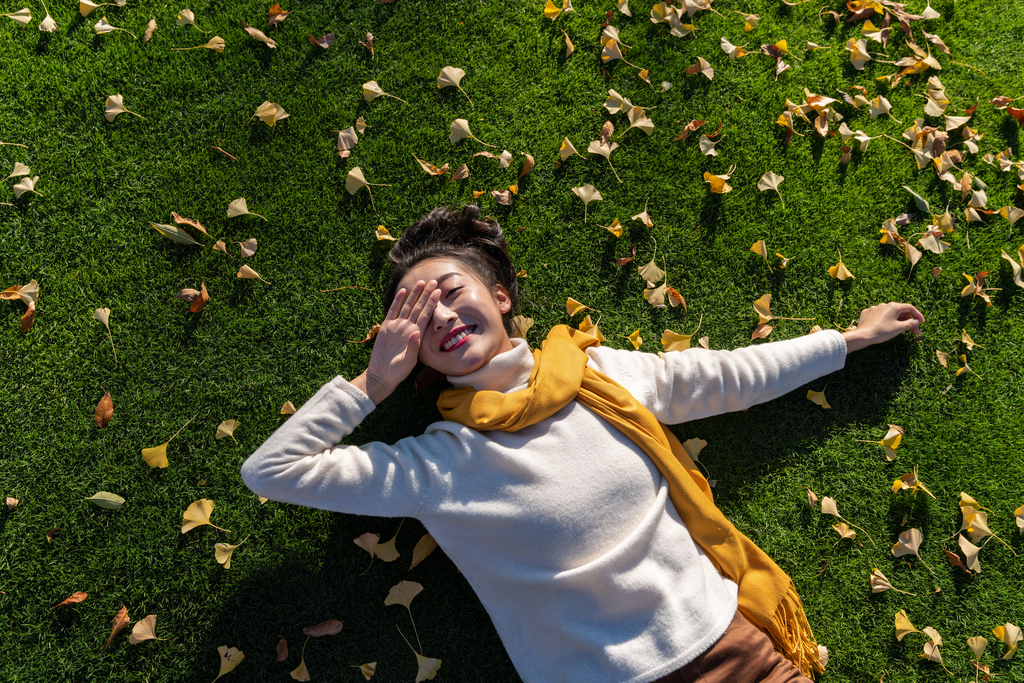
x: 442, y: 316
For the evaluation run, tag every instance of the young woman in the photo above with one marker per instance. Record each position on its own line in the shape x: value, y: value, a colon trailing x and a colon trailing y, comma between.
x: 580, y: 522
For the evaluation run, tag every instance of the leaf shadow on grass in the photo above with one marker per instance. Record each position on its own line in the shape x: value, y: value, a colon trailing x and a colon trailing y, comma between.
x: 712, y: 218
x: 43, y: 44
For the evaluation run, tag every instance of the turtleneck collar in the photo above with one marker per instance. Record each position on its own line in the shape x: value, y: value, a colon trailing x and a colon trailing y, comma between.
x: 506, y: 372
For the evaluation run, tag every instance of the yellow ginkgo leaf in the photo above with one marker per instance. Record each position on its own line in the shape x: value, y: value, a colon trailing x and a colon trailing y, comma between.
x: 229, y: 659
x: 1011, y: 635
x: 567, y: 150
x: 402, y: 593
x: 114, y: 105
x: 198, y: 514
x: 383, y: 234
x: 174, y: 233
x: 840, y: 271
x: 223, y: 551
x: 588, y: 327
x: 717, y: 182
x: 844, y: 531
x: 761, y: 250
x: 270, y: 113
x: 157, y: 456
x: 588, y: 193
x: 423, y: 548
x: 635, y: 339
x: 818, y: 397
x: 367, y: 669
x: 903, y: 625
x: 227, y: 428
x: 387, y: 552
x: 572, y: 307
x: 452, y: 76
x: 428, y: 667
x: 673, y: 341
x: 215, y: 43
x: 22, y: 17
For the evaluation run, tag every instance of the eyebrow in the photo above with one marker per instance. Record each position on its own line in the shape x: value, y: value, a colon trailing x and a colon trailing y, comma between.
x: 441, y: 280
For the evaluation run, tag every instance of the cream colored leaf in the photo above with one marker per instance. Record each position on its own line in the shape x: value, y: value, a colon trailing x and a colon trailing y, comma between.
x: 144, y: 629
x: 567, y: 150
x: 858, y: 50
x: 48, y: 25
x: 260, y: 36
x: 26, y: 185
x: 372, y: 91
x: 977, y: 645
x: 186, y: 17
x: 520, y: 326
x: 229, y: 659
x: 247, y: 273
x: 150, y: 29
x: 569, y: 47
x: 970, y: 552
x: 879, y: 583
x: 588, y: 193
x: 22, y: 17
x: 1011, y: 213
x: 227, y: 428
x: 844, y: 531
x: 707, y: 146
x: 450, y: 76
x: 368, y: 669
x: 828, y: 506
x: 402, y: 593
x: 368, y: 542
x: 908, y: 544
x: 1011, y: 635
x: 238, y: 207
x: 20, y: 169
x: 693, y: 447
x: 387, y: 552
x: 931, y: 649
x: 651, y: 272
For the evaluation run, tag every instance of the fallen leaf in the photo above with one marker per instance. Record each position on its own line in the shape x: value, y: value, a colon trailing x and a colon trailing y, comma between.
x: 587, y: 326
x: 910, y: 481
x: 903, y: 625
x: 615, y: 228
x: 269, y: 112
x: 423, y: 548
x: 844, y: 531
x: 402, y: 593
x: 282, y: 649
x: 229, y: 659
x: 701, y: 66
x: 771, y: 181
x: 368, y: 542
x: 22, y: 17
x: 908, y: 544
x: 145, y: 629
x: 287, y: 408
x: 247, y: 273
x: 324, y: 41
x: 150, y: 29
x: 174, y: 233
x: 673, y: 341
x: 717, y: 182
x: 528, y: 164
x: 331, y: 627
x: 104, y: 411
x: 588, y: 193
x: 121, y: 620
x: 11, y: 503
x: 451, y: 76
x: 227, y: 428
x: 105, y: 499
x: 368, y: 669
x: 1011, y: 636
x: 460, y: 130
x: 157, y: 456
x: 693, y: 447
x: 301, y: 672
x: 635, y: 339
x: 817, y: 397
x: 569, y: 47
x: 761, y: 250
x: 215, y: 43
x: 387, y: 552
x: 48, y: 25
x: 198, y: 514
x: 102, y: 26
x: 26, y: 185
x: 840, y: 271
x: 52, y: 533
x: 277, y: 15
x: 761, y: 331
x: 520, y: 326
x: 461, y: 173
x: 75, y: 598
x: 238, y: 207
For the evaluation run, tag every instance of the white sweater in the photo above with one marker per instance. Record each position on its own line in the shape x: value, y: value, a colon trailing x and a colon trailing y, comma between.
x: 564, y: 529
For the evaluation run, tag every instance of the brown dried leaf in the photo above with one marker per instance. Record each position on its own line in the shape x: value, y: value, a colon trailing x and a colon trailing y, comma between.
x: 282, y: 649
x: 76, y: 597
x: 181, y: 220
x: 277, y: 15
x: 324, y: 41
x: 369, y: 43
x: 199, y: 302
x: 331, y: 627
x: 121, y: 619
x: 104, y: 411
x: 370, y: 334
x: 423, y: 548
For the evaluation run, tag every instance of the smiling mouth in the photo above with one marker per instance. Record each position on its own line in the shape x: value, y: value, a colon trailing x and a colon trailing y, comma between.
x: 457, y: 337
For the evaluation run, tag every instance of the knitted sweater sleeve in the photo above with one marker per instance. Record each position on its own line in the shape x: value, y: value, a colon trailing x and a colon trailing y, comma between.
x: 696, y: 383
x: 303, y: 462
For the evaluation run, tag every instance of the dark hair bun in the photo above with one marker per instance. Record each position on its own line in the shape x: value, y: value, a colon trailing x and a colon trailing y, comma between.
x: 462, y: 236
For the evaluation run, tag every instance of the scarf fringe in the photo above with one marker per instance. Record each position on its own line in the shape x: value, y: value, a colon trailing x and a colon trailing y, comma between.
x: 791, y: 634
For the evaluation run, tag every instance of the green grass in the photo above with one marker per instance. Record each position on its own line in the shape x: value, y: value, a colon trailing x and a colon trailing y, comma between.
x: 89, y: 245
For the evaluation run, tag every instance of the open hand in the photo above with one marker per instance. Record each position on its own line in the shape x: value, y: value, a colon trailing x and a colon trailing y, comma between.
x: 881, y: 323
x: 397, y: 346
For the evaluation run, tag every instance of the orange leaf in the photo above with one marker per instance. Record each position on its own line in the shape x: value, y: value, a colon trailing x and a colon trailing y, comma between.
x: 104, y: 411
x: 76, y: 597
x: 121, y: 619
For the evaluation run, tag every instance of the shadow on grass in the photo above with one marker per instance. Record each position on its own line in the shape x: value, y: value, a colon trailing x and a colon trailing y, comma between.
x: 319, y: 580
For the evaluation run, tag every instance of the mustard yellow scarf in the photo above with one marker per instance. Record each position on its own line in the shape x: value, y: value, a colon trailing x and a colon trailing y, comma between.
x: 767, y: 596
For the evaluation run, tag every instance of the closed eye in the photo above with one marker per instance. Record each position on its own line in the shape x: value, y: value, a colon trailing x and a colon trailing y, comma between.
x: 452, y: 291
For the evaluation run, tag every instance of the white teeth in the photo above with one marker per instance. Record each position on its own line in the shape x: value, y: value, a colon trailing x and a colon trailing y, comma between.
x: 455, y: 340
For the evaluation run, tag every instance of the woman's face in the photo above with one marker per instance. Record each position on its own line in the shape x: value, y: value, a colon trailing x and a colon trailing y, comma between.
x: 465, y: 330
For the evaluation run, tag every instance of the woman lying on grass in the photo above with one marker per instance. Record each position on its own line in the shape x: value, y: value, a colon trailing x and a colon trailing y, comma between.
x: 577, y: 517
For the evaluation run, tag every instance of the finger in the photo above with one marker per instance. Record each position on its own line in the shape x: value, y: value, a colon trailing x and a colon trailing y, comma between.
x: 396, y: 305
x: 427, y: 312
x: 421, y: 302
x: 411, y: 299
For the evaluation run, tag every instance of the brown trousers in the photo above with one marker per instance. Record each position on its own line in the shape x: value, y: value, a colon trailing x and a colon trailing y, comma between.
x: 742, y: 655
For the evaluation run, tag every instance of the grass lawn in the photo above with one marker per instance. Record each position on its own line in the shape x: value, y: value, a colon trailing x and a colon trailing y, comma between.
x: 86, y: 240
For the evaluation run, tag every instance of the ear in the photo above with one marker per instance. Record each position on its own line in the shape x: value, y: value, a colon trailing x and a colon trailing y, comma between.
x: 504, y: 300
